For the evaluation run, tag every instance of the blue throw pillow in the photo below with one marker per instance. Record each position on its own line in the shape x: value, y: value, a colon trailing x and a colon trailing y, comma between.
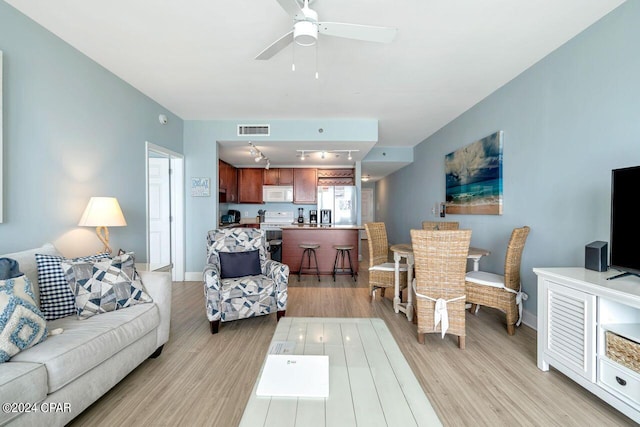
x: 239, y: 264
x: 21, y: 322
x: 9, y: 269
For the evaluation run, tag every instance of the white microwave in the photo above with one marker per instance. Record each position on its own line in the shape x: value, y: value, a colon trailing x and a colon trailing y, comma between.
x: 277, y: 193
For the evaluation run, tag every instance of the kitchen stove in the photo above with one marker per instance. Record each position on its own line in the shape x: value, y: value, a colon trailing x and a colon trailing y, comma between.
x: 274, y: 221
x: 272, y: 224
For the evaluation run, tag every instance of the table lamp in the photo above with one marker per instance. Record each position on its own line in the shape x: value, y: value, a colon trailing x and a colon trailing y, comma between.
x: 103, y: 212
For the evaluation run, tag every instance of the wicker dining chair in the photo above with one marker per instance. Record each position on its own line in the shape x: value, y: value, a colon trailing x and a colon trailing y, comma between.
x: 498, y: 291
x: 440, y: 264
x: 440, y: 225
x: 381, y: 270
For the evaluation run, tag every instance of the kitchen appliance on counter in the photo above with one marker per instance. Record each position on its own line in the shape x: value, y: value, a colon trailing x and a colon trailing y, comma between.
x: 325, y: 216
x: 232, y: 217
x: 300, y: 215
x: 236, y: 215
x: 313, y: 216
x: 341, y: 202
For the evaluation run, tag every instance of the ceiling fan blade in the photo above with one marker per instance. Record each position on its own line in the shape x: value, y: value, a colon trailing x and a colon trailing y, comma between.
x: 292, y: 7
x: 276, y: 46
x: 358, y: 32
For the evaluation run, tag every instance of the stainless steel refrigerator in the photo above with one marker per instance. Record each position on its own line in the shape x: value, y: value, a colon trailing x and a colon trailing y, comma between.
x: 342, y: 201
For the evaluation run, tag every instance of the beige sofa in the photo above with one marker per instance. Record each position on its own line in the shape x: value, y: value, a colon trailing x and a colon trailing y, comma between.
x: 66, y: 373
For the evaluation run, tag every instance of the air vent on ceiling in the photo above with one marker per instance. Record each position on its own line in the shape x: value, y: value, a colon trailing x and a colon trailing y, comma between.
x: 253, y: 130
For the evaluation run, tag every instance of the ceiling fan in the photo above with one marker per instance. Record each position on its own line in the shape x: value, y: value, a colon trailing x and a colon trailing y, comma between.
x: 306, y: 28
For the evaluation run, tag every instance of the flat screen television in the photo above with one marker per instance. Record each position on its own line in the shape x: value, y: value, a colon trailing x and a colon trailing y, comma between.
x: 625, y: 221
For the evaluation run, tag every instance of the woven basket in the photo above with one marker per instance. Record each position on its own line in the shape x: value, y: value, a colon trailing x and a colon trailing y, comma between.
x: 623, y: 351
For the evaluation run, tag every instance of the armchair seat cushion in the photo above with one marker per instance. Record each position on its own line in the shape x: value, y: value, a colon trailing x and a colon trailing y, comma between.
x: 246, y: 286
x: 247, y: 296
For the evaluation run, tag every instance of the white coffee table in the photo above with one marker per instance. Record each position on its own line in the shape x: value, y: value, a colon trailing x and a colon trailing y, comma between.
x: 370, y: 381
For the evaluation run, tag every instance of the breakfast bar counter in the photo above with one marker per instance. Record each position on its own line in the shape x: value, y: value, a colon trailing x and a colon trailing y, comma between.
x: 325, y: 235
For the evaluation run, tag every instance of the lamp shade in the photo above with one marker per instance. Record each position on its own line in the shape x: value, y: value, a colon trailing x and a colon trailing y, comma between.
x: 103, y: 212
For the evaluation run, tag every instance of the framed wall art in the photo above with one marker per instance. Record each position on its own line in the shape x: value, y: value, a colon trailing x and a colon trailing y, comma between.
x: 474, y: 177
x: 200, y: 187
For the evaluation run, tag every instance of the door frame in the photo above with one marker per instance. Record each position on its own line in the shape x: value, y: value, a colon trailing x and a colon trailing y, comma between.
x: 176, y: 197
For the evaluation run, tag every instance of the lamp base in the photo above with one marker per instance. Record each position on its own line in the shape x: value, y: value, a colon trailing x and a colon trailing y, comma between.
x: 103, y: 235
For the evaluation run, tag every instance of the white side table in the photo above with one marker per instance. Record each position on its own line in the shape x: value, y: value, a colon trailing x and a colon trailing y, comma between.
x: 403, y: 250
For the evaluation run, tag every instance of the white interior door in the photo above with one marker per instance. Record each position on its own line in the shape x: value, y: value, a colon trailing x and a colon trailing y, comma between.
x: 159, y: 209
x: 165, y: 209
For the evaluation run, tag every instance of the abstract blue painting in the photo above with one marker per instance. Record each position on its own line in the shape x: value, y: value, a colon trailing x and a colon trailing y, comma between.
x: 474, y: 177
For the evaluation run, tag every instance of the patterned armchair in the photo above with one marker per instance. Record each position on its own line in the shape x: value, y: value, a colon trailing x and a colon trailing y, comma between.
x: 247, y: 296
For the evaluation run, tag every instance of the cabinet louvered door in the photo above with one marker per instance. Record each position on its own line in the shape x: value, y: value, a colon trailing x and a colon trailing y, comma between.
x: 571, y: 330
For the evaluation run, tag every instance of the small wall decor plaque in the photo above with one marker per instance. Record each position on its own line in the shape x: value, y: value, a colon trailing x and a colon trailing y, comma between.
x: 474, y: 177
x: 200, y: 187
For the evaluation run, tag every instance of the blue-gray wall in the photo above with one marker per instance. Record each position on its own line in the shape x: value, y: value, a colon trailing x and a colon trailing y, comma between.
x: 72, y: 130
x: 567, y: 121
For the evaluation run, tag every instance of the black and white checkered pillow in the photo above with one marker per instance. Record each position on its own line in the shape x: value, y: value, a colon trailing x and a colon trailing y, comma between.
x: 56, y: 298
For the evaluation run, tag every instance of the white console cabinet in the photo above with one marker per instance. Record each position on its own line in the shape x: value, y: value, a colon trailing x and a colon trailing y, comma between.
x: 576, y: 307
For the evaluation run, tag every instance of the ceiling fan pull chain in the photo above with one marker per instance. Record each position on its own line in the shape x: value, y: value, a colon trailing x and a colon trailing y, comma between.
x: 293, y: 57
x: 316, y: 60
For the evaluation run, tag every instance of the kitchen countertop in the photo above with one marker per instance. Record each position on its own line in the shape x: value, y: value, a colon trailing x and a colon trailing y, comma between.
x: 322, y: 227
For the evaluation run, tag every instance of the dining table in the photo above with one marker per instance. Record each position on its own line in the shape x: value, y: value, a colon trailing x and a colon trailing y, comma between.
x: 405, y: 250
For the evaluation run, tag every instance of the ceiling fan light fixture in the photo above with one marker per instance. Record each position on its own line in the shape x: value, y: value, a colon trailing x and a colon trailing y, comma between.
x: 305, y: 33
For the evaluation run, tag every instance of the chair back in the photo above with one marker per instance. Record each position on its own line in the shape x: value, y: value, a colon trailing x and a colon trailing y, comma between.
x: 440, y: 265
x: 378, y: 243
x: 440, y: 225
x: 440, y: 261
x: 235, y: 240
x: 514, y: 257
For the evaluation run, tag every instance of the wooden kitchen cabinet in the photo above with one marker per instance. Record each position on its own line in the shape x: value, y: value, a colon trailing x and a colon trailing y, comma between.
x: 250, y: 185
x: 305, y: 186
x: 336, y: 177
x: 227, y: 182
x: 278, y: 176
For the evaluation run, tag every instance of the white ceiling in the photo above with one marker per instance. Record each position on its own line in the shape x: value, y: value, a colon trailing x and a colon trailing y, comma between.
x: 195, y: 57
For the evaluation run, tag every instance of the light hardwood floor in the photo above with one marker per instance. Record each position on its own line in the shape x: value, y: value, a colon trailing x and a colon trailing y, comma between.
x: 205, y: 380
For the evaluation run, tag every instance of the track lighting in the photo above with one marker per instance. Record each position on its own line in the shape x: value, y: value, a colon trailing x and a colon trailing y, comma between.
x: 258, y: 155
x: 323, y: 153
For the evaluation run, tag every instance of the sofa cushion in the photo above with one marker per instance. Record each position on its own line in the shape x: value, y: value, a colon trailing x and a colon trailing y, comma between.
x: 28, y: 265
x: 85, y: 344
x: 21, y: 322
x: 21, y: 382
x: 56, y: 298
x: 106, y: 285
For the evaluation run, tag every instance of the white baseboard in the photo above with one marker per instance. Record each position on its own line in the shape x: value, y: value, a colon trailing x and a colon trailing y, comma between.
x: 193, y: 276
x: 530, y: 319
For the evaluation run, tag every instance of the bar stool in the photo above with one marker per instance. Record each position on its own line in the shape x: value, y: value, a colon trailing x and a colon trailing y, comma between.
x: 309, y: 248
x: 341, y: 250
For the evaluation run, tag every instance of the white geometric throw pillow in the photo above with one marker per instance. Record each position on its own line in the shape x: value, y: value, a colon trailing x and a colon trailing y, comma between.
x: 105, y: 285
x: 22, y: 324
x: 56, y: 299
